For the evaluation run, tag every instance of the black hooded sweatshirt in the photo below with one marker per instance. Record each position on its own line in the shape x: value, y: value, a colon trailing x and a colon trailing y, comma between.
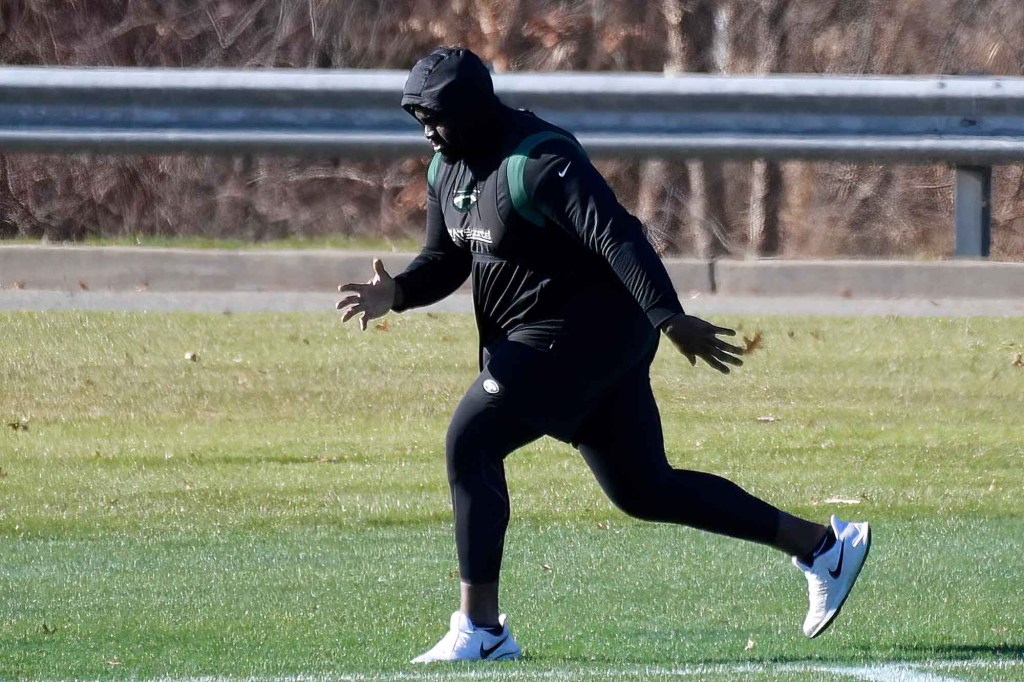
x: 528, y: 216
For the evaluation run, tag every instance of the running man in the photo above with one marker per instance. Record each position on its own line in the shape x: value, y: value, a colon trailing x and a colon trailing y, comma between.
x: 570, y: 301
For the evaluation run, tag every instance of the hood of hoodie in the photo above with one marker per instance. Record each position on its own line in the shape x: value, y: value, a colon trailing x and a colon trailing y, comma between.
x: 455, y: 83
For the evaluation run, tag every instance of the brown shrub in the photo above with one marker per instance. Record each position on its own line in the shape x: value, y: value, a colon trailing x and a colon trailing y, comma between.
x: 826, y: 209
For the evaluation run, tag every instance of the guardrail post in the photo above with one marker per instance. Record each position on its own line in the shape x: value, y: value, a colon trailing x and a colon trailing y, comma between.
x: 973, y: 200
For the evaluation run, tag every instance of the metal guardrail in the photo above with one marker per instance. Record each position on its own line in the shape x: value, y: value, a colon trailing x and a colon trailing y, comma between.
x: 972, y: 122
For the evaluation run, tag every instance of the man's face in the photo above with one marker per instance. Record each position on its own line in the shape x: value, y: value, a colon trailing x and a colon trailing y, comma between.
x: 439, y: 132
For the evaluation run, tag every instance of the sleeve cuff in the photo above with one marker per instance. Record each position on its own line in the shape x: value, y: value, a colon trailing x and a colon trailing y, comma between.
x: 400, y: 304
x: 662, y: 312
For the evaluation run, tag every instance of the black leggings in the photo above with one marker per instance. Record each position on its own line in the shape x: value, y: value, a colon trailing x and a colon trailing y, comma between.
x: 620, y: 440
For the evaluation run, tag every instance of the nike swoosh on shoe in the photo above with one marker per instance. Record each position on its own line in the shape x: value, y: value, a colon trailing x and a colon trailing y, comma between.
x: 485, y: 652
x: 839, y: 564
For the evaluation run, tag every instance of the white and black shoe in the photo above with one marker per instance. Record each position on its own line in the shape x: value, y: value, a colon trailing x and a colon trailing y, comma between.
x: 831, y: 574
x: 466, y: 642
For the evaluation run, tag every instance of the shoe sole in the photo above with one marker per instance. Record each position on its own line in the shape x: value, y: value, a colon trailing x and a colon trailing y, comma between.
x: 512, y: 656
x: 853, y: 583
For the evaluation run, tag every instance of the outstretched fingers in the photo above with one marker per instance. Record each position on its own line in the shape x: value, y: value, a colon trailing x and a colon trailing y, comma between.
x: 714, y: 363
x: 725, y: 345
x: 358, y: 288
x: 350, y: 300
x: 726, y: 357
x: 352, y: 312
x: 729, y: 348
x: 719, y: 359
x: 355, y: 300
x: 370, y: 300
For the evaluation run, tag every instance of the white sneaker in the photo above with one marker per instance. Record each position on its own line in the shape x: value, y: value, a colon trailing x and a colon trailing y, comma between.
x: 832, y: 575
x: 466, y: 642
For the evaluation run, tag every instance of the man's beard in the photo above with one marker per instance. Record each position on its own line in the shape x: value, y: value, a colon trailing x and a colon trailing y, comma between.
x: 451, y: 150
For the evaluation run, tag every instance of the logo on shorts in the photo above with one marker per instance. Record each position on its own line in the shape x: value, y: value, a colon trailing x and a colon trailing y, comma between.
x: 491, y: 386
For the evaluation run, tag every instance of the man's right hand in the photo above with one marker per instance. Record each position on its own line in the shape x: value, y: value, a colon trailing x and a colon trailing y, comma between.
x: 373, y: 299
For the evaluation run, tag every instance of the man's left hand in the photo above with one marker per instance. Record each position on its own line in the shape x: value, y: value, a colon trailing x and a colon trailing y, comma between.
x: 696, y: 338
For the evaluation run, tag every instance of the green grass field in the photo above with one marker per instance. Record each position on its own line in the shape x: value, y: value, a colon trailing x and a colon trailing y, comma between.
x: 276, y: 508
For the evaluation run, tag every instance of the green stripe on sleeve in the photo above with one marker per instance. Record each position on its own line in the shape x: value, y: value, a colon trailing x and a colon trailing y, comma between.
x: 432, y: 168
x: 516, y: 169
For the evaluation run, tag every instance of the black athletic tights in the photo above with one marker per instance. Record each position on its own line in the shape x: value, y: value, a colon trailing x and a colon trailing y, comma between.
x: 620, y: 440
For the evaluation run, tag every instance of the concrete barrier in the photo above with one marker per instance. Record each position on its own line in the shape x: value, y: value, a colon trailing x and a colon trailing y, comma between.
x: 871, y: 279
x: 76, y: 268
x: 70, y: 268
x: 73, y: 268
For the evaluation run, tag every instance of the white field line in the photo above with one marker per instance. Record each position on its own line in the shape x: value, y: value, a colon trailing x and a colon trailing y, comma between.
x: 919, y: 671
x: 890, y: 673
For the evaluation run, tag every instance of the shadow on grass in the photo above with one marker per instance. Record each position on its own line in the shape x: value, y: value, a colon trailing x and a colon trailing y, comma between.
x: 902, y: 653
x: 699, y: 662
x: 963, y: 651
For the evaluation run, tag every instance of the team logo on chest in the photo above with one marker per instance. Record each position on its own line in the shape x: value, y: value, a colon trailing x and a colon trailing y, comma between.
x: 466, y: 228
x: 465, y: 198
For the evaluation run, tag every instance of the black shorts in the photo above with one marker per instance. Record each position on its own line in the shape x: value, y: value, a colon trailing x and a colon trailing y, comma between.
x: 552, y: 375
